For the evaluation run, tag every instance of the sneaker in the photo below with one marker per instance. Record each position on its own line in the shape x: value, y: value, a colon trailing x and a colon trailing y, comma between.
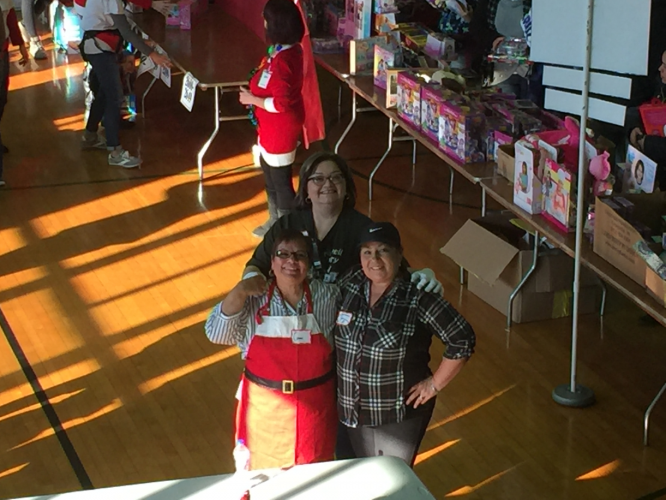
x: 36, y: 49
x: 124, y: 160
x: 93, y: 142
x: 2, y: 183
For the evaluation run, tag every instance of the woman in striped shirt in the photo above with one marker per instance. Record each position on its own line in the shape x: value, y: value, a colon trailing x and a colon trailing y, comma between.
x: 286, y: 413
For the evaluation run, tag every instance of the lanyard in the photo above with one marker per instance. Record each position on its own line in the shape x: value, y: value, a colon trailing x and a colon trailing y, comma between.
x: 265, y: 309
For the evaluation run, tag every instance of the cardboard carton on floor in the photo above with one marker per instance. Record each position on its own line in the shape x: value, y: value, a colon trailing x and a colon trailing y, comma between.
x: 496, y: 256
x: 615, y: 236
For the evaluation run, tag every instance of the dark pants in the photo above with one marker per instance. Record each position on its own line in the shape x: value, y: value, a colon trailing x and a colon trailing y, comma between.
x: 279, y: 186
x: 401, y: 440
x: 4, y: 90
x: 108, y: 96
x: 4, y: 81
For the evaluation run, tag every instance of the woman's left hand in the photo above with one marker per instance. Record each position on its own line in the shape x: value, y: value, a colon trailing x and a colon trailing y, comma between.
x: 422, y: 392
x: 246, y: 98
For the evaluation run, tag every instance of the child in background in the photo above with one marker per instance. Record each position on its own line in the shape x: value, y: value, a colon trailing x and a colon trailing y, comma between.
x: 9, y: 30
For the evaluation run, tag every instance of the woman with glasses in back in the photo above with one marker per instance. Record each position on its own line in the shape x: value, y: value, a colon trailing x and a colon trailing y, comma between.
x: 286, y: 413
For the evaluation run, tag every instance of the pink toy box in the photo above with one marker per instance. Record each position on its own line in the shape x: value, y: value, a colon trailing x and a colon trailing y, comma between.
x: 186, y: 12
x: 462, y: 132
x: 432, y: 98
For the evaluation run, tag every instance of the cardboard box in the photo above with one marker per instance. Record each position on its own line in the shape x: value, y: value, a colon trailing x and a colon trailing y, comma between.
x: 506, y: 161
x: 496, y: 256
x: 615, y: 237
x: 656, y: 286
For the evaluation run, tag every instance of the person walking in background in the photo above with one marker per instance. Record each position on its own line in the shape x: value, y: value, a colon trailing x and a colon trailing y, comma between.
x: 9, y: 31
x: 104, y: 27
x: 276, y: 104
x: 36, y: 48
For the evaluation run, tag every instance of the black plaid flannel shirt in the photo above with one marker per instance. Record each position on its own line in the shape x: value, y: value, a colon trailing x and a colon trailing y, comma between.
x: 372, y: 347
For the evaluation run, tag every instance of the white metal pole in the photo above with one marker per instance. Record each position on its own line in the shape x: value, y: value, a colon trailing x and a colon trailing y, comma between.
x: 574, y: 395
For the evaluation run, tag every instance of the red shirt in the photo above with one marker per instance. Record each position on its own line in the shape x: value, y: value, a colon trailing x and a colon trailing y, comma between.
x: 279, y: 132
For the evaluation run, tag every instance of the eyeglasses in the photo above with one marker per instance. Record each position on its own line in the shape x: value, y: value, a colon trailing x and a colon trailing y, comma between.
x: 298, y: 256
x: 320, y: 180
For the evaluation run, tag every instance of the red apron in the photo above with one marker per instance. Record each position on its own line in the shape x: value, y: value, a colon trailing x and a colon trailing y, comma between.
x: 287, y: 413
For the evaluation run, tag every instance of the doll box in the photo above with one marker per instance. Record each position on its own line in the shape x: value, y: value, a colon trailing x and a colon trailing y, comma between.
x: 433, y: 96
x: 527, y: 189
x: 462, y: 132
x: 384, y: 59
x: 558, y: 206
x: 409, y: 98
x: 186, y: 12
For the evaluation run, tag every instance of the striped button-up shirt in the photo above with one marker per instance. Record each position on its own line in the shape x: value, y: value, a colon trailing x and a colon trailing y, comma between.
x: 240, y: 328
x: 384, y: 350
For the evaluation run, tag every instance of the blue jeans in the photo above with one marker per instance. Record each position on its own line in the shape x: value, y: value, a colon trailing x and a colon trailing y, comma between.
x: 108, y: 96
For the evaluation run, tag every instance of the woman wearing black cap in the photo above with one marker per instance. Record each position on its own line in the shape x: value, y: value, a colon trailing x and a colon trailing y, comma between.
x: 386, y: 392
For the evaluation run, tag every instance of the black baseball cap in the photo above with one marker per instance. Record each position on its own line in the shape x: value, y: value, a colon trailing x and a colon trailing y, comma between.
x: 381, y: 232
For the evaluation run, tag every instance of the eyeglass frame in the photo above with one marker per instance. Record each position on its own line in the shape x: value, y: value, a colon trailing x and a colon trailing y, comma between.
x: 329, y: 177
x: 286, y: 255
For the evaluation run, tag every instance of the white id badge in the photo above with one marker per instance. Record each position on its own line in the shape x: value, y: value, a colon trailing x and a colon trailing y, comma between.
x: 301, y: 336
x: 344, y: 318
x: 264, y: 79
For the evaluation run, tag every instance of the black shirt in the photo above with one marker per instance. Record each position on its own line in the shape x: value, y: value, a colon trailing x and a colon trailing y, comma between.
x: 332, y: 257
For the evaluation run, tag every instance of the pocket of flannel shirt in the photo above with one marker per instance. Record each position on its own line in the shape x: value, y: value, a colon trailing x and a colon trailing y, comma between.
x: 390, y: 335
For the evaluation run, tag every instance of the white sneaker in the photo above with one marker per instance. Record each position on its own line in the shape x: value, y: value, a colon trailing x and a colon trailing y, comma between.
x: 124, y: 160
x: 37, y: 49
x: 2, y: 183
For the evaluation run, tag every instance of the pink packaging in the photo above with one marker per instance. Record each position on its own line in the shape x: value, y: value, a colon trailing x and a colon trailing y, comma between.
x: 409, y: 98
x: 432, y: 97
x: 186, y: 12
x: 462, y: 132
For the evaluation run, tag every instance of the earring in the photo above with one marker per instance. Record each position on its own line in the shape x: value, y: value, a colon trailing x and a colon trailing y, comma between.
x: 308, y: 200
x: 271, y: 274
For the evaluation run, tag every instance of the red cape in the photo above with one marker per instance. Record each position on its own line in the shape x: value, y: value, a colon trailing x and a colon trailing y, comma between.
x: 313, y: 128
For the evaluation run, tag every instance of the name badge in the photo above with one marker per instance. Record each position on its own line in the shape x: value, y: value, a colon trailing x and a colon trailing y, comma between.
x: 301, y: 336
x: 264, y: 79
x: 344, y: 318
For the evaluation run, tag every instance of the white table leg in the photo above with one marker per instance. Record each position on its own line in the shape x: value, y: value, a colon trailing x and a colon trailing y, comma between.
x: 207, y: 144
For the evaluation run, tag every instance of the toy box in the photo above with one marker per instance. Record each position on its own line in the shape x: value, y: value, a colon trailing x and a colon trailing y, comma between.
x: 386, y: 57
x: 440, y: 47
x: 385, y: 6
x: 432, y: 98
x: 527, y: 186
x: 186, y: 12
x: 385, y: 23
x: 462, y: 132
x: 409, y: 98
x: 362, y: 54
x: 362, y: 18
x: 558, y: 202
x: 640, y: 173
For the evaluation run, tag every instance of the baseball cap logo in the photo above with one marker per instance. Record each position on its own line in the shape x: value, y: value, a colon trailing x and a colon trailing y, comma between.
x: 372, y: 230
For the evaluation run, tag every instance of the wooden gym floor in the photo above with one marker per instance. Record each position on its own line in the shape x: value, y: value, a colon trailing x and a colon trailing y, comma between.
x: 107, y: 275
